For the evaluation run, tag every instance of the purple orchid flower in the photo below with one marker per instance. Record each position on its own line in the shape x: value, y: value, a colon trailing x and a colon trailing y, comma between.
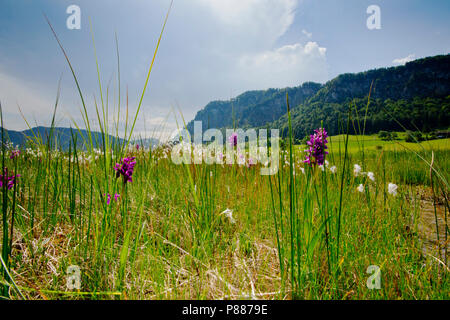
x: 125, y: 169
x: 233, y: 139
x: 9, y: 181
x: 14, y: 154
x: 317, y: 148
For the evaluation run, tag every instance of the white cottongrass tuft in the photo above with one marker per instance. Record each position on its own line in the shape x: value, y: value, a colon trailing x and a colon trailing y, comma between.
x: 333, y: 169
x: 229, y: 214
x: 371, y: 176
x: 357, y: 170
x: 392, y: 189
x: 360, y: 188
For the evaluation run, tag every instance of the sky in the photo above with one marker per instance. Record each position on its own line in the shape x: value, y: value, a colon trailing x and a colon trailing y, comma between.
x: 210, y: 50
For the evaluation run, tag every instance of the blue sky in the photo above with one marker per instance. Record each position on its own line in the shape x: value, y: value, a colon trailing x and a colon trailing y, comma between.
x: 211, y: 49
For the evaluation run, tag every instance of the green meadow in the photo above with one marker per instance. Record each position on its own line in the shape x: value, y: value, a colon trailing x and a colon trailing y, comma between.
x: 372, y: 143
x: 169, y: 235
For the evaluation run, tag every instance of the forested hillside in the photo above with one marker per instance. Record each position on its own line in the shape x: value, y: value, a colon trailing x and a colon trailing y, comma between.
x: 253, y: 108
x: 416, y: 95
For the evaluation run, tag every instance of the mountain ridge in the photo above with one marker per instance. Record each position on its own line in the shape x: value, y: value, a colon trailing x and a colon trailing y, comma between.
x: 421, y: 87
x: 63, y: 136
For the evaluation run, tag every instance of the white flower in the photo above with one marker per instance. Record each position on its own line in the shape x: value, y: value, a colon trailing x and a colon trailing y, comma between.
x: 357, y: 170
x: 392, y: 189
x: 322, y: 167
x: 302, y: 169
x: 229, y: 214
x: 371, y: 176
x: 360, y: 188
x: 326, y: 163
x: 333, y: 169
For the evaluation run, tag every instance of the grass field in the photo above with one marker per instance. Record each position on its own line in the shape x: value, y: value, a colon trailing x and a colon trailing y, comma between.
x: 371, y: 143
x: 406, y: 160
x: 169, y: 236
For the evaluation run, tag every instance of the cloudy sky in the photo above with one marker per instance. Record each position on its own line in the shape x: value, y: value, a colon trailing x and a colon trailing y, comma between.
x: 211, y: 49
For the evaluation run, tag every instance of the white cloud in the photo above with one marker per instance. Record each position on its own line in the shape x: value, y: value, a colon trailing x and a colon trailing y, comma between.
x: 404, y: 60
x: 241, y: 48
x: 307, y: 34
x: 16, y: 92
x: 290, y: 65
x: 270, y: 18
x: 156, y: 127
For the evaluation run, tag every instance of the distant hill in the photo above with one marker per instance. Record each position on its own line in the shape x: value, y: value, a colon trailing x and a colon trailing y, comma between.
x: 416, y: 94
x: 64, y: 137
x: 253, y: 108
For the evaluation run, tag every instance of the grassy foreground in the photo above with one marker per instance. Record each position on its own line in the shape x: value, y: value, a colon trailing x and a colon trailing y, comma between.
x: 309, y: 235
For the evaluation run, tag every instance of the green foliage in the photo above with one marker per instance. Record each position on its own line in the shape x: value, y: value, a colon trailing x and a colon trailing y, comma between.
x: 382, y: 115
x: 413, y: 136
x: 170, y: 217
x: 384, y: 135
x: 387, y: 136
